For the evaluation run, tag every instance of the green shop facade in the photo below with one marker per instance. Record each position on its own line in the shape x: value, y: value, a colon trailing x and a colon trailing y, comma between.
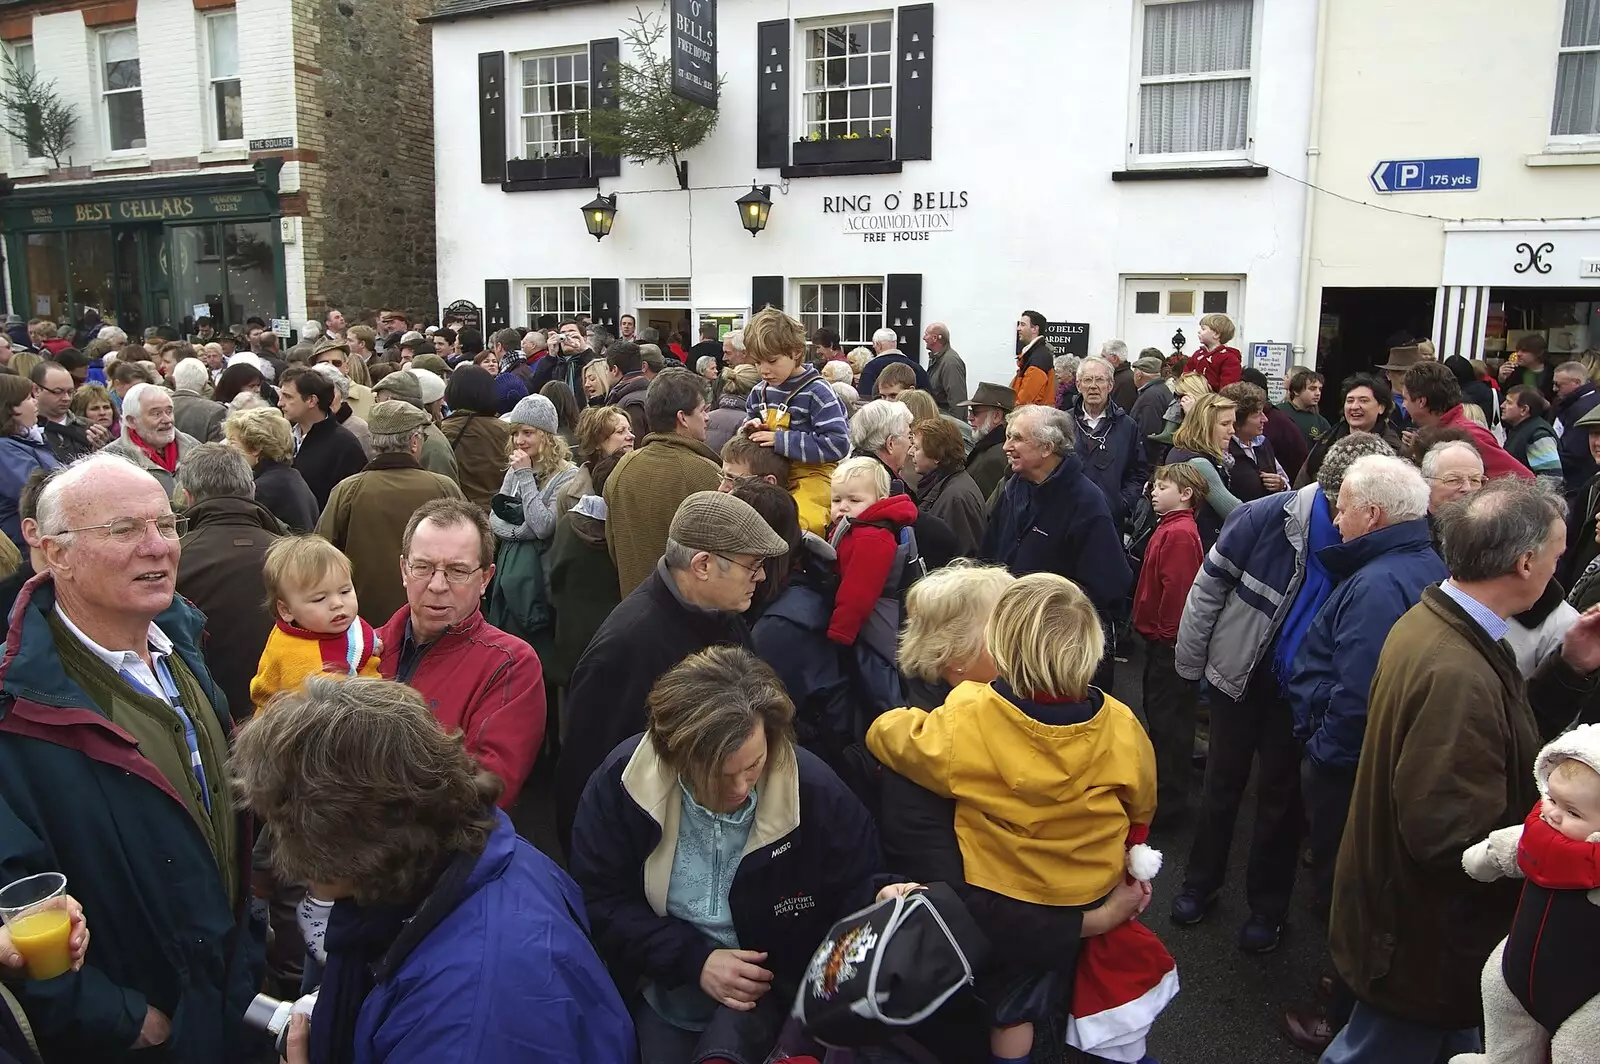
x: 149, y: 252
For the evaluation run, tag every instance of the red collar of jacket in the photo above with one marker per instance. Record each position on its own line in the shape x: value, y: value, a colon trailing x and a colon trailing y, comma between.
x: 1554, y: 861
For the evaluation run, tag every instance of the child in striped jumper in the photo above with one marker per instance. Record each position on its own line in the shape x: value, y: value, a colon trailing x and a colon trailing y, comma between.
x: 795, y: 412
x: 318, y: 630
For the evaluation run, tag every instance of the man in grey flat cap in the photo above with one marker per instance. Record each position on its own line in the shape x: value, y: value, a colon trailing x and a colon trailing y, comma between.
x: 693, y: 600
x: 367, y: 513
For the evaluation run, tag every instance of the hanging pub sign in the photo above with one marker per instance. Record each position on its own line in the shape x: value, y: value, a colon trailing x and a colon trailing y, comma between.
x: 465, y: 314
x: 694, y: 51
x: 1068, y: 337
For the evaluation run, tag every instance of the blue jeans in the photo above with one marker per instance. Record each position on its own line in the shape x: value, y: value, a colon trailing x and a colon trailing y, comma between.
x: 1373, y: 1035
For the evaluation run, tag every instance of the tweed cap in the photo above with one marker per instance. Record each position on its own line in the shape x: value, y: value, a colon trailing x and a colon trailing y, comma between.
x: 329, y: 343
x: 394, y: 416
x: 719, y: 523
x: 401, y: 384
x: 1148, y: 364
x: 431, y: 363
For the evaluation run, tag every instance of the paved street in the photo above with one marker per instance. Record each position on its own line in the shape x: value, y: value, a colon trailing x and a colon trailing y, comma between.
x: 1228, y: 1010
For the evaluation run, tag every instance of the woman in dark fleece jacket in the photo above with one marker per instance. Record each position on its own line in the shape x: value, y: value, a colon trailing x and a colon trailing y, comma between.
x: 714, y: 855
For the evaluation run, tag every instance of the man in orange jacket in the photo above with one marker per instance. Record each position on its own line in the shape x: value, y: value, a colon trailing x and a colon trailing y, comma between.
x: 1035, y: 381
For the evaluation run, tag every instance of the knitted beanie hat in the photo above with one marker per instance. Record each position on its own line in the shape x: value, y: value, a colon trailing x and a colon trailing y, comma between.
x: 534, y: 411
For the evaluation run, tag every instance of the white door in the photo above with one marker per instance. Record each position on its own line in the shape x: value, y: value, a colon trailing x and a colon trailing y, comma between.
x: 1156, y: 308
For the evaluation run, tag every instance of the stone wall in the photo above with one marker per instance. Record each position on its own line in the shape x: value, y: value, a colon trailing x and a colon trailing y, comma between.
x: 363, y: 73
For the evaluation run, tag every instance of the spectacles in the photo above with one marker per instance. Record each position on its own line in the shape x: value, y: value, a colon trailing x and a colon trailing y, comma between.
x: 753, y: 570
x: 453, y: 574
x: 129, y: 530
x: 60, y: 392
x: 1456, y: 480
x: 733, y: 480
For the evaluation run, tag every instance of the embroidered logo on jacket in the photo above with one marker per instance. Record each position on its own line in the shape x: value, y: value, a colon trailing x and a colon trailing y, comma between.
x: 781, y: 850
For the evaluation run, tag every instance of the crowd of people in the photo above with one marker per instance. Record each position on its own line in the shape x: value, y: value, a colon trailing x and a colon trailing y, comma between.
x: 796, y: 630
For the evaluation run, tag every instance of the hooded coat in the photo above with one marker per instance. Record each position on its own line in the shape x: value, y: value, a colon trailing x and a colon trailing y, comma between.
x: 583, y: 585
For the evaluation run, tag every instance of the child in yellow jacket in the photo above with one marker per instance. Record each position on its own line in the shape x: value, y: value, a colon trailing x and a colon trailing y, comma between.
x: 1052, y: 779
x: 318, y: 629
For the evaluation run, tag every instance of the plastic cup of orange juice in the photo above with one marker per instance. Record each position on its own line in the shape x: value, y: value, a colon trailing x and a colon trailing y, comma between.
x: 40, y: 926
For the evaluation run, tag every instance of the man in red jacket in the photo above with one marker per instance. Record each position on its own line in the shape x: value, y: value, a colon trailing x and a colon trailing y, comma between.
x: 475, y: 677
x: 1433, y: 397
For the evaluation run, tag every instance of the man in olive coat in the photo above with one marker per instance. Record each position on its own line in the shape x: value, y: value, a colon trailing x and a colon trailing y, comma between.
x: 1452, y: 732
x: 366, y: 514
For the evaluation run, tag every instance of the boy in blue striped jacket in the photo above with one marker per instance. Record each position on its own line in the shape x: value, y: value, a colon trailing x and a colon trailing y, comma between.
x: 795, y: 412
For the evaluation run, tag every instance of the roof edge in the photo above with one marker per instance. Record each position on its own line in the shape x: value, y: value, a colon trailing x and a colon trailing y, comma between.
x: 488, y: 8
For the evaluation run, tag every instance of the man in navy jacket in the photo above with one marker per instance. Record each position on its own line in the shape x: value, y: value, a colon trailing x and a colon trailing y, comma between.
x: 1108, y: 441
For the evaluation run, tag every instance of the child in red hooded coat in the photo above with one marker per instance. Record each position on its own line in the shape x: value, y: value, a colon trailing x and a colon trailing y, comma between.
x: 866, y: 550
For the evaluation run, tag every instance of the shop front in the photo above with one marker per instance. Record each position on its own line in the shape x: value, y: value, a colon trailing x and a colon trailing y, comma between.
x: 151, y: 252
x: 1503, y: 282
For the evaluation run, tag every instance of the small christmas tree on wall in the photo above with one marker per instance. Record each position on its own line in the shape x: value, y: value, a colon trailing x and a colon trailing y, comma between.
x: 649, y: 123
x: 33, y: 114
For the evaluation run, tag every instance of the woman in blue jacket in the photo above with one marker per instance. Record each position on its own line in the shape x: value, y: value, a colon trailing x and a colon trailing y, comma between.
x: 22, y: 450
x: 714, y: 855
x: 450, y: 939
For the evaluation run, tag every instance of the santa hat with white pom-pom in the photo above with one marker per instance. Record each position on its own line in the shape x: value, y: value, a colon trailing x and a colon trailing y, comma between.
x: 1144, y: 861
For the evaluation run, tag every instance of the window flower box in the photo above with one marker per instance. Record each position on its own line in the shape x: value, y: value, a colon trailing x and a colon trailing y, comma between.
x: 548, y: 169
x: 843, y: 150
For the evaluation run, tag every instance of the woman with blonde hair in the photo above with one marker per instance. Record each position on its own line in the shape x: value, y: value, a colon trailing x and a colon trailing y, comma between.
x: 942, y: 643
x: 602, y: 431
x: 1202, y: 441
x: 596, y: 381
x: 1053, y: 782
x: 262, y: 435
x: 728, y: 416
x: 523, y: 517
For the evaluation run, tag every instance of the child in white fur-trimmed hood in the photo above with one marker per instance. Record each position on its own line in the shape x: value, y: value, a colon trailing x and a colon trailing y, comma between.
x: 1541, y: 986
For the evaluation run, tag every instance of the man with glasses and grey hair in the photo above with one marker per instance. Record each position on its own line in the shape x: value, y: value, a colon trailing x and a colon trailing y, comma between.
x: 113, y: 772
x: 693, y: 599
x: 1452, y: 733
x: 485, y: 682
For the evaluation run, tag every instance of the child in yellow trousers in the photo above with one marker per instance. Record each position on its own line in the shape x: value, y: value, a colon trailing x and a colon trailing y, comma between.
x: 795, y: 412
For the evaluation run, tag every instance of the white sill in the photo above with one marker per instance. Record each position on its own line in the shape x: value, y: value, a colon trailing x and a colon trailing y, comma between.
x: 33, y: 168
x: 1187, y: 162
x: 226, y: 153
x: 120, y: 162
x: 1564, y: 155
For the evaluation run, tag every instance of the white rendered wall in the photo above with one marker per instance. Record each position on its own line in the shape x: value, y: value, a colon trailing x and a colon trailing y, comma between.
x: 1031, y: 134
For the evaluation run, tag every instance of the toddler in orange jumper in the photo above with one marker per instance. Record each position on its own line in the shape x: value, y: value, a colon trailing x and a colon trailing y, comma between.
x: 318, y: 630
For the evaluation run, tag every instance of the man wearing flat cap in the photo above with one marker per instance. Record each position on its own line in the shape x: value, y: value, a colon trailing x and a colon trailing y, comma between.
x: 367, y: 513
x: 1150, y: 408
x: 693, y: 600
x: 406, y: 386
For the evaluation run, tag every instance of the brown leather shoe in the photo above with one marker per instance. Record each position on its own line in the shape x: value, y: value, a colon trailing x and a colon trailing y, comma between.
x: 1308, y: 1031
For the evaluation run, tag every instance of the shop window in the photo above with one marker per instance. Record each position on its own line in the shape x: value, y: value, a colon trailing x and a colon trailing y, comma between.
x: 222, y: 71
x: 48, y: 293
x: 121, y: 95
x: 251, y: 258
x: 847, y: 86
x: 554, y: 101
x: 564, y: 299
x: 1194, y: 79
x: 853, y: 309
x: 91, y: 270
x: 1577, y: 104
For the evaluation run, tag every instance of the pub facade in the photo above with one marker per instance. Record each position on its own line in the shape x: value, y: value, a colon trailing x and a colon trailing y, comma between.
x: 210, y: 170
x: 1121, y: 168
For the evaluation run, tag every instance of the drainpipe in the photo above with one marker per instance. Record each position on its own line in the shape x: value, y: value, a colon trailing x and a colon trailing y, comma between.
x: 1309, y: 320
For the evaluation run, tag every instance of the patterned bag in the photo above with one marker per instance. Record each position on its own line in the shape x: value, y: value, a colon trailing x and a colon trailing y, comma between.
x: 888, y: 966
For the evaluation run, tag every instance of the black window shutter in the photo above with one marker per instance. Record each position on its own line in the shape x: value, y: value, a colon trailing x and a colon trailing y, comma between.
x: 765, y: 292
x: 902, y: 306
x: 496, y: 307
x: 772, y: 94
x: 604, y: 295
x: 602, y: 94
x: 913, y: 127
x: 492, y: 117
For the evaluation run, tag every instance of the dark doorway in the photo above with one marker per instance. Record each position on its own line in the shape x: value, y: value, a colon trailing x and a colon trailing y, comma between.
x: 1359, y: 325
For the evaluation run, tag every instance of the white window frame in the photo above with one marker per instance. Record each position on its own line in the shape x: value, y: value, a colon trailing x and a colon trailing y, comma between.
x: 659, y: 292
x: 1569, y: 140
x: 581, y: 302
x: 212, y: 110
x: 1136, y: 80
x: 104, y: 94
x: 812, y: 320
x: 800, y: 121
x: 15, y: 51
x: 519, y: 117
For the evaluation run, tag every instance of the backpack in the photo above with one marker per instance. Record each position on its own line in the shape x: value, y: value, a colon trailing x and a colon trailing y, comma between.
x: 889, y: 966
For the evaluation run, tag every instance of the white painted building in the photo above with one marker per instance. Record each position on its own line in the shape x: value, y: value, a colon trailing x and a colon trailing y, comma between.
x: 1109, y: 162
x: 209, y: 160
x: 1400, y: 84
